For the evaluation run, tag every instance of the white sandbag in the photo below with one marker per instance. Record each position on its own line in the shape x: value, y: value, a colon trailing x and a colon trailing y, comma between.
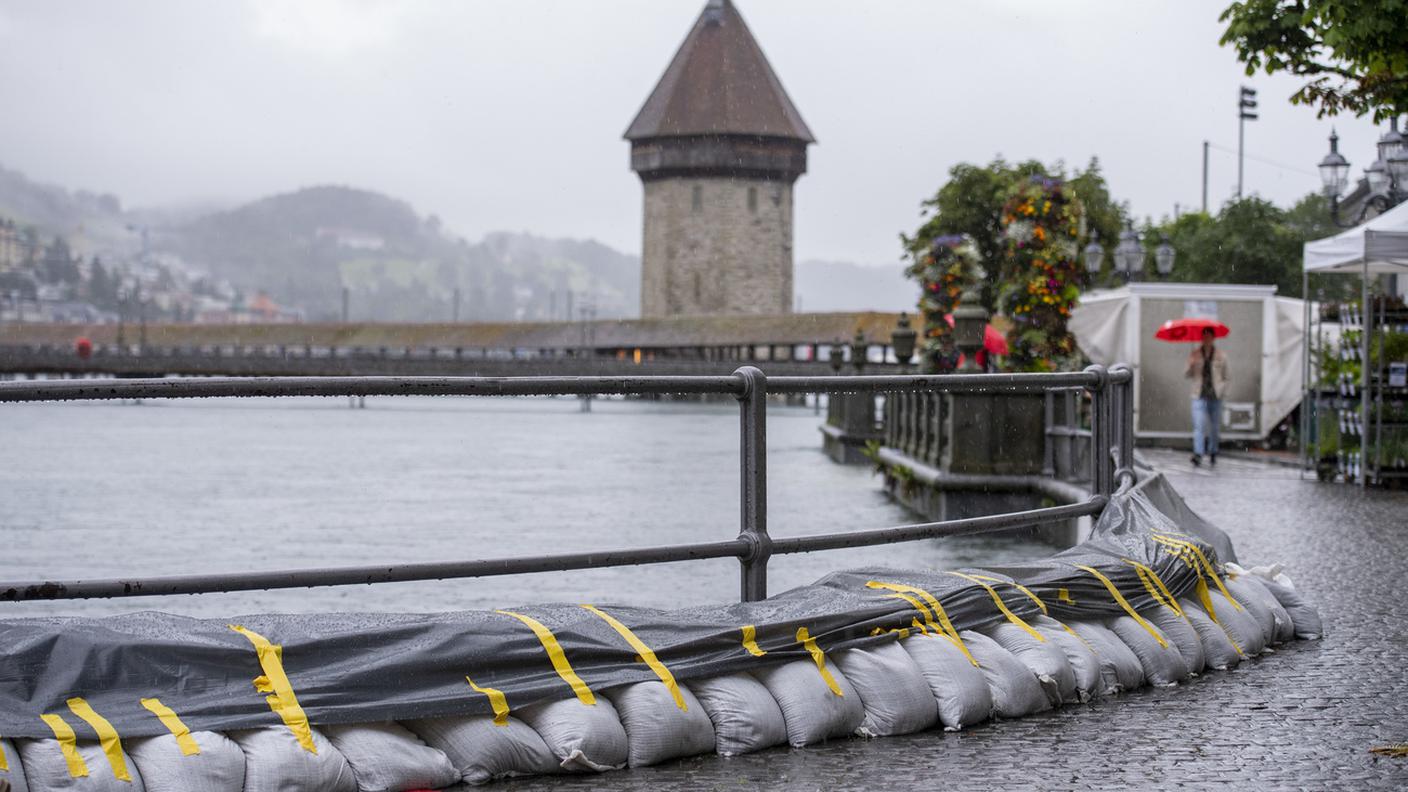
x: 1304, y: 618
x: 1085, y: 664
x: 746, y: 717
x: 1179, y: 632
x: 45, y: 768
x: 958, y: 686
x: 892, y: 689
x: 1284, y: 626
x: 1239, y: 624
x: 482, y: 751
x: 582, y: 736
x: 14, y: 768
x: 1163, y: 664
x: 1251, y: 599
x: 1120, y: 669
x: 811, y: 711
x: 219, y: 767
x: 1015, y: 690
x: 275, y: 762
x: 1045, y: 659
x: 1218, y: 651
x: 656, y: 728
x: 386, y: 757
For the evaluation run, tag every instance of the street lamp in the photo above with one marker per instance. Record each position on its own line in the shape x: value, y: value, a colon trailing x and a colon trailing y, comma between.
x: 902, y: 340
x: 837, y: 356
x: 1334, y: 168
x: 1094, y: 254
x: 858, y: 350
x: 1129, y: 255
x: 1386, y: 178
x: 1163, y: 257
x: 970, y: 321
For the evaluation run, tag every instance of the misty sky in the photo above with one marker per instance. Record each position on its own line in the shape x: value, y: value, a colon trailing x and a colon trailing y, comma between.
x: 509, y: 114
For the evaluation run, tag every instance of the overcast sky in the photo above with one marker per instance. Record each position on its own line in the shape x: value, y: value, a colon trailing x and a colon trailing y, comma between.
x: 509, y: 114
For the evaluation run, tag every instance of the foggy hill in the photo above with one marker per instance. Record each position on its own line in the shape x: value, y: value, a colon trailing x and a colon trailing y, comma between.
x: 823, y: 286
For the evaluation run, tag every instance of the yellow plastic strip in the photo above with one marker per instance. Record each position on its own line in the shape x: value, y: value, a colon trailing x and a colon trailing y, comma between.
x: 1002, y: 606
x: 68, y: 744
x: 173, y: 723
x: 917, y: 605
x: 1206, y: 597
x: 935, y: 607
x: 647, y: 655
x: 750, y: 642
x: 107, y: 737
x: 818, y: 657
x: 1123, y: 603
x: 919, y: 625
x: 1156, y: 588
x: 275, y: 682
x: 497, y: 700
x: 1064, y: 595
x: 556, y: 655
x: 1207, y: 565
x: 4, y: 763
x: 1019, y: 587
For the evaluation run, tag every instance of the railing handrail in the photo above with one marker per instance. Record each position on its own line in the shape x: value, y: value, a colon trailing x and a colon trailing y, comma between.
x: 1111, y: 418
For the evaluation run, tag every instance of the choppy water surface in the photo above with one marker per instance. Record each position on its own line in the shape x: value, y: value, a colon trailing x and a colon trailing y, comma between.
x: 164, y: 487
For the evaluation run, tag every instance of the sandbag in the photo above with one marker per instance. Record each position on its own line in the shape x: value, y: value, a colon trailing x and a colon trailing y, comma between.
x: 811, y: 711
x: 1179, y: 632
x: 45, y: 768
x: 582, y: 736
x: 481, y: 750
x: 1015, y: 690
x: 219, y: 767
x: 1120, y: 669
x: 1219, y: 652
x: 1251, y: 599
x: 386, y: 757
x: 13, y: 767
x: 656, y: 727
x: 275, y: 762
x: 1304, y: 617
x: 958, y: 686
x: 1045, y: 659
x: 746, y: 717
x: 892, y: 689
x: 1284, y: 626
x: 1085, y: 665
x: 1163, y: 664
x: 1239, y: 624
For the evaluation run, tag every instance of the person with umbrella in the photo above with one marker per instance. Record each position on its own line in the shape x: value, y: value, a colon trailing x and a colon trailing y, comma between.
x: 1207, y: 372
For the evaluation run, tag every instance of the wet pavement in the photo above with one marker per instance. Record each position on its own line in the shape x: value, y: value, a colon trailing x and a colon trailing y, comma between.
x: 1304, y: 717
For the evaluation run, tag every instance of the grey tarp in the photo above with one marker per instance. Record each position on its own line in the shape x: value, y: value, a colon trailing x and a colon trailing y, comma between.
x: 356, y: 667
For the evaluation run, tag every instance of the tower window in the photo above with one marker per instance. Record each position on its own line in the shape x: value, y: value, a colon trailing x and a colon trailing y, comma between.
x: 753, y: 199
x: 698, y: 198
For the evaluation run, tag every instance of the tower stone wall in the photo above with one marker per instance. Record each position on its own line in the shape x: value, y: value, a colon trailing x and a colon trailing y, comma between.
x: 717, y: 245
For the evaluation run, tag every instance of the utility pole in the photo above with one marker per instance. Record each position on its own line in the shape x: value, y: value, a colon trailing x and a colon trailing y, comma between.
x: 1205, y: 177
x: 344, y: 304
x: 1246, y: 111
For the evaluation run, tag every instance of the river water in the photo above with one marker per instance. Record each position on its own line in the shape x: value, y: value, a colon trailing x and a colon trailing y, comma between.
x: 106, y: 489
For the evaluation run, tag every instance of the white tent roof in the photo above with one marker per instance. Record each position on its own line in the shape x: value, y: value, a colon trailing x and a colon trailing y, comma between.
x: 1381, y: 243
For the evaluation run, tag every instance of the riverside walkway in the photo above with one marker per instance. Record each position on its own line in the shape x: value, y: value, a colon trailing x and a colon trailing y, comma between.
x: 1304, y: 717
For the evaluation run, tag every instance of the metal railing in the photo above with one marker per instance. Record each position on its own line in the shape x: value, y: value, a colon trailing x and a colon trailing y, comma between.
x: 1111, y: 429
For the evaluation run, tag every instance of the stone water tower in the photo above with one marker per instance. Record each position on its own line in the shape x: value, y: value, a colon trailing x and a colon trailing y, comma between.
x: 718, y: 146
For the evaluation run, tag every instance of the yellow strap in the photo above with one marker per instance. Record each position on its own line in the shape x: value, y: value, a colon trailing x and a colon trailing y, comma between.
x: 275, y: 682
x: 556, y: 655
x: 4, y: 763
x: 497, y: 700
x: 1064, y: 595
x: 935, y: 607
x: 173, y: 723
x: 917, y: 605
x: 107, y: 737
x: 1123, y: 603
x: 1206, y: 597
x: 750, y: 634
x: 647, y: 655
x: 1019, y: 587
x: 1207, y: 565
x: 1002, y: 606
x: 818, y: 657
x: 919, y: 625
x: 1154, y: 586
x: 68, y: 744
x: 1068, y: 629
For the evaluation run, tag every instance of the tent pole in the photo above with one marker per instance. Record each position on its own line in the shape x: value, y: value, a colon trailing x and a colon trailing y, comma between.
x: 1305, y: 397
x: 1364, y: 317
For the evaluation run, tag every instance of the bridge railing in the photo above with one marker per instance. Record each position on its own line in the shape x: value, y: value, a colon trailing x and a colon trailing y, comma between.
x: 1111, y: 429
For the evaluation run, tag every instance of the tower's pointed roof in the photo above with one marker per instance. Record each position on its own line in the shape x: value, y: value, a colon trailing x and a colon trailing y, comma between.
x: 719, y: 83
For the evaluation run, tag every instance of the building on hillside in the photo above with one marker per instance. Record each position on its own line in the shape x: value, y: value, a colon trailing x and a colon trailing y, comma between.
x: 13, y: 247
x: 718, y: 146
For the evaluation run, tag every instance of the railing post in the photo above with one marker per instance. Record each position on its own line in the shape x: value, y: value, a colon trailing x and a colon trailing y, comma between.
x: 1048, y: 463
x: 1100, y: 478
x: 1122, y: 422
x: 753, y: 489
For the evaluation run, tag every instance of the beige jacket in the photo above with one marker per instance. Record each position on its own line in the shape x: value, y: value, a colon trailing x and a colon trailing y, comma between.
x: 1194, y: 372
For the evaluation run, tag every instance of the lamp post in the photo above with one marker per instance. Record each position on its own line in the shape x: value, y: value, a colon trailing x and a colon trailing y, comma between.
x: 859, y: 346
x: 1386, y: 178
x: 1094, y: 255
x: 836, y: 356
x: 970, y: 320
x: 902, y: 341
x: 1129, y: 255
x: 1164, y: 257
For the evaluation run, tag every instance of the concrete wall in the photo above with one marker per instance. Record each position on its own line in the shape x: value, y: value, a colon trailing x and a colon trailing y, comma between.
x: 724, y: 253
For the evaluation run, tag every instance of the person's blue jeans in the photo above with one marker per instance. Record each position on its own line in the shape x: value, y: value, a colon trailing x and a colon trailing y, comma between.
x: 1207, y: 418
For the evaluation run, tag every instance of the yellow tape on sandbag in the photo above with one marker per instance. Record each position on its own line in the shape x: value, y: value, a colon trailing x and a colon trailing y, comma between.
x: 819, y: 657
x: 938, y: 610
x: 1207, y: 565
x: 750, y: 642
x: 557, y: 656
x: 647, y: 655
x: 497, y: 701
x: 107, y: 737
x: 173, y: 723
x: 1002, y: 606
x: 1019, y: 587
x: 1156, y: 588
x: 1123, y: 603
x: 1064, y: 595
x: 68, y: 745
x: 281, y: 698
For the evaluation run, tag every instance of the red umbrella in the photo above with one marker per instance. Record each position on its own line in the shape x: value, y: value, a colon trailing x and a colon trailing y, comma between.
x: 993, y: 341
x: 1189, y: 329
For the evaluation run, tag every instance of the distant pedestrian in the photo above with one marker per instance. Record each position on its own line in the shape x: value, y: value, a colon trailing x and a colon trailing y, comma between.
x: 1207, y: 368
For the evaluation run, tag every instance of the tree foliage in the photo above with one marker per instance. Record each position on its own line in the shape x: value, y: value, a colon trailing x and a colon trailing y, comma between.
x: 1354, y: 53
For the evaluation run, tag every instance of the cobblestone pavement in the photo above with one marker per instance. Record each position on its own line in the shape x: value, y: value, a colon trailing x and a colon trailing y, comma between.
x: 1302, y: 718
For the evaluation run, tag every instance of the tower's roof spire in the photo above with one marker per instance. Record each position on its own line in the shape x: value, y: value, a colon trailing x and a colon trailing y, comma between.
x: 719, y: 83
